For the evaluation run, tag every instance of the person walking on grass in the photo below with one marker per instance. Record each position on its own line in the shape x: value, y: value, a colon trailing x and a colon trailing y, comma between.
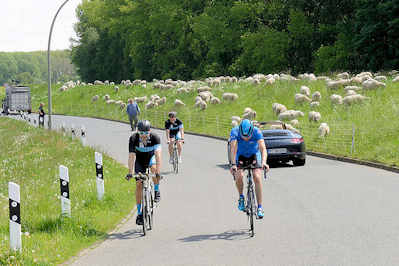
x: 133, y: 111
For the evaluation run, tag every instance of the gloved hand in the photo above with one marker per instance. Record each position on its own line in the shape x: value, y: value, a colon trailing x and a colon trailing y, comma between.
x: 128, y: 176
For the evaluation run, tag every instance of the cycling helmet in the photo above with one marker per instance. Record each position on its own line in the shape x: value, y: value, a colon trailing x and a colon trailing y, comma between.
x: 172, y: 114
x: 246, y: 128
x: 143, y: 125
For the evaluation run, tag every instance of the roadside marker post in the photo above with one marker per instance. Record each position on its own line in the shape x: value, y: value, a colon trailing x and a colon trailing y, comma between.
x: 15, y: 216
x: 64, y: 185
x: 99, y: 175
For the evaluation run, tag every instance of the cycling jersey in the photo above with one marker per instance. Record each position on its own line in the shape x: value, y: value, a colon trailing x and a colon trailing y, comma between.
x: 173, y: 127
x: 145, y: 151
x: 246, y: 148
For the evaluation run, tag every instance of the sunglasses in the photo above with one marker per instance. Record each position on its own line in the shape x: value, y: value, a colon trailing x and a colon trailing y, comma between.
x: 144, y: 132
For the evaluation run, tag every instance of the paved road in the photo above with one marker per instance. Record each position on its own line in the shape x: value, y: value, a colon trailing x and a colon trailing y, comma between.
x: 325, y: 213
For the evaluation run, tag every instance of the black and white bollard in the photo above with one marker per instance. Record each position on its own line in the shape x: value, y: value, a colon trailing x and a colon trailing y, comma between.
x: 83, y: 135
x: 64, y: 183
x: 100, y: 175
x: 15, y: 216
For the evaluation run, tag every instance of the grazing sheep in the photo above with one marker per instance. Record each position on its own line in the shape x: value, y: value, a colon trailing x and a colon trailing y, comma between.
x: 314, y: 116
x: 123, y: 106
x: 95, y: 98
x: 357, y: 98
x: 236, y: 118
x: 380, y: 78
x: 204, y: 88
x: 291, y: 128
x: 110, y: 101
x: 150, y: 105
x: 249, y: 114
x: 354, y: 88
x: 372, y: 84
x: 314, y: 104
x: 396, y: 79
x: 316, y: 96
x: 278, y: 108
x: 63, y: 88
x: 300, y: 98
x: 350, y: 92
x: 140, y: 99
x: 336, y: 99
x: 154, y: 97
x: 203, y: 105
x: 112, y: 83
x: 344, y: 75
x: 270, y: 81
x: 106, y: 97
x: 179, y: 103
x: 116, y: 88
x: 161, y: 101
x: 98, y: 82
x: 294, y: 122
x: 118, y: 102
x: 305, y: 90
x: 182, y: 90
x: 324, y: 130
x: 290, y: 115
x: 335, y: 84
x: 215, y: 100
x: 205, y: 95
x: 198, y: 102
x: 227, y: 96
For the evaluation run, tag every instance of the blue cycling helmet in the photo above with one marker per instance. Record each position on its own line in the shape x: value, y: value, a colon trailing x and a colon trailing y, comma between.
x: 246, y: 128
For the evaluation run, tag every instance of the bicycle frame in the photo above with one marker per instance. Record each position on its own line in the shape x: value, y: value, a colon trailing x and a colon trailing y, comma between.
x: 147, y: 200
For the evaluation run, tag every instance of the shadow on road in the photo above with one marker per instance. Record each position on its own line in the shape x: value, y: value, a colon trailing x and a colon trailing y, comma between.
x: 228, y: 235
x: 130, y: 234
x: 225, y: 166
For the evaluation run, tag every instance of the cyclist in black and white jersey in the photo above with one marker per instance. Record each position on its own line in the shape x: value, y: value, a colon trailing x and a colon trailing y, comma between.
x: 174, y: 132
x: 144, y: 152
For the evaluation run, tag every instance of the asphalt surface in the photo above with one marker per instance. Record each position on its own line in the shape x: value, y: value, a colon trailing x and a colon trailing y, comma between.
x: 324, y: 213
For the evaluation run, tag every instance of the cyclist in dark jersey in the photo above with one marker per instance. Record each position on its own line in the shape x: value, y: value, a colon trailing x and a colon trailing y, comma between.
x: 174, y: 132
x: 144, y: 152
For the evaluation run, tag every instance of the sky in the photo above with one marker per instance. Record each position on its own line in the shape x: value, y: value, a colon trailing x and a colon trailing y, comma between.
x: 25, y: 24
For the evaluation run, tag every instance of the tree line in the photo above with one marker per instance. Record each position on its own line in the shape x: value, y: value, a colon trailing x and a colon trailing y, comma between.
x: 189, y: 39
x: 31, y: 67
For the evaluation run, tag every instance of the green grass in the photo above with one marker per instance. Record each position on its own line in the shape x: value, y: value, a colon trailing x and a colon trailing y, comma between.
x: 2, y: 93
x: 374, y: 122
x: 31, y: 157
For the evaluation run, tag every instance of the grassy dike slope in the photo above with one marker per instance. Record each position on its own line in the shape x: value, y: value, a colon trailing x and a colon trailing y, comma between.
x: 374, y: 122
x: 30, y: 157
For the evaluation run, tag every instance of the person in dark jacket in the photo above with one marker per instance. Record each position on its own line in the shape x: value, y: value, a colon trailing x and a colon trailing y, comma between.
x: 41, y: 115
x: 133, y: 111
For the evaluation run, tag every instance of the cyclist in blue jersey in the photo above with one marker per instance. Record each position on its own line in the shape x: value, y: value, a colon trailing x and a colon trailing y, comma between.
x: 248, y: 146
x: 144, y: 152
x: 174, y: 131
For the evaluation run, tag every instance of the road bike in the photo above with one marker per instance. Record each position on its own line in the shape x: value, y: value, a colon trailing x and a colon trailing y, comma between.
x: 175, y: 157
x: 251, y: 208
x: 147, y: 199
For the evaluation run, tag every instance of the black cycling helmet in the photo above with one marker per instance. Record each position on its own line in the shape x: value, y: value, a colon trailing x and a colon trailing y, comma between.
x: 172, y: 114
x: 143, y: 125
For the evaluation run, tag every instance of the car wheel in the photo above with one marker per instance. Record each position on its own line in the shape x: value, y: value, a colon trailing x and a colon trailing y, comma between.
x: 299, y: 162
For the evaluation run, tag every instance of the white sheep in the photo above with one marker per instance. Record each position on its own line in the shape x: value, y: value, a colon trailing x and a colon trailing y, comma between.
x: 316, y: 96
x: 336, y: 99
x: 227, y: 96
x: 110, y: 101
x: 150, y: 105
x: 179, y: 103
x: 278, y: 108
x: 381, y: 78
x: 106, y: 97
x: 204, y: 88
x: 350, y: 92
x: 335, y: 84
x: 354, y: 88
x: 161, y: 101
x: 357, y: 98
x: 203, y: 105
x: 123, y: 106
x: 116, y: 88
x: 324, y: 130
x: 314, y: 104
x: 215, y: 100
x: 250, y: 114
x: 314, y: 116
x: 305, y: 90
x: 344, y: 75
x: 140, y: 99
x: 300, y: 98
x: 294, y: 122
x: 372, y: 84
x: 205, y: 95
x: 396, y: 79
x: 290, y: 115
x: 236, y: 118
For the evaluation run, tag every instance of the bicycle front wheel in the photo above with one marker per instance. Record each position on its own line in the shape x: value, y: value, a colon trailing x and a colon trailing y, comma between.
x: 251, y: 212
x: 145, y: 211
x: 175, y: 161
x: 150, y: 211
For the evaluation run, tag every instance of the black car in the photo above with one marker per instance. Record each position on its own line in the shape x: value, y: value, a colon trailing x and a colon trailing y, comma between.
x: 282, y: 145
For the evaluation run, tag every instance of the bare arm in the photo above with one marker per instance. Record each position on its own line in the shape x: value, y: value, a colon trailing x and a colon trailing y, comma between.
x: 233, y: 151
x: 182, y: 132
x: 158, y: 160
x: 131, y: 161
x: 167, y: 135
x: 262, y: 148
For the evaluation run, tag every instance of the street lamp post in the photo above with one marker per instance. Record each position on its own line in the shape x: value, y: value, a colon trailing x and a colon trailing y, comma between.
x: 49, y: 67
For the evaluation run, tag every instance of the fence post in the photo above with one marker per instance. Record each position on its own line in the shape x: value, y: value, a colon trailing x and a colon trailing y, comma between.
x: 100, y: 176
x: 64, y: 184
x: 15, y: 216
x: 353, y: 139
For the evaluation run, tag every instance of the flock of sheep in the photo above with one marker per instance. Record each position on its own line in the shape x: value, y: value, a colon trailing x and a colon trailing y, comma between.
x: 352, y: 87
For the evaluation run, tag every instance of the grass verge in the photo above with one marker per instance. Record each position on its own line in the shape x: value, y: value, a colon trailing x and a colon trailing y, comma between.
x: 31, y: 157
